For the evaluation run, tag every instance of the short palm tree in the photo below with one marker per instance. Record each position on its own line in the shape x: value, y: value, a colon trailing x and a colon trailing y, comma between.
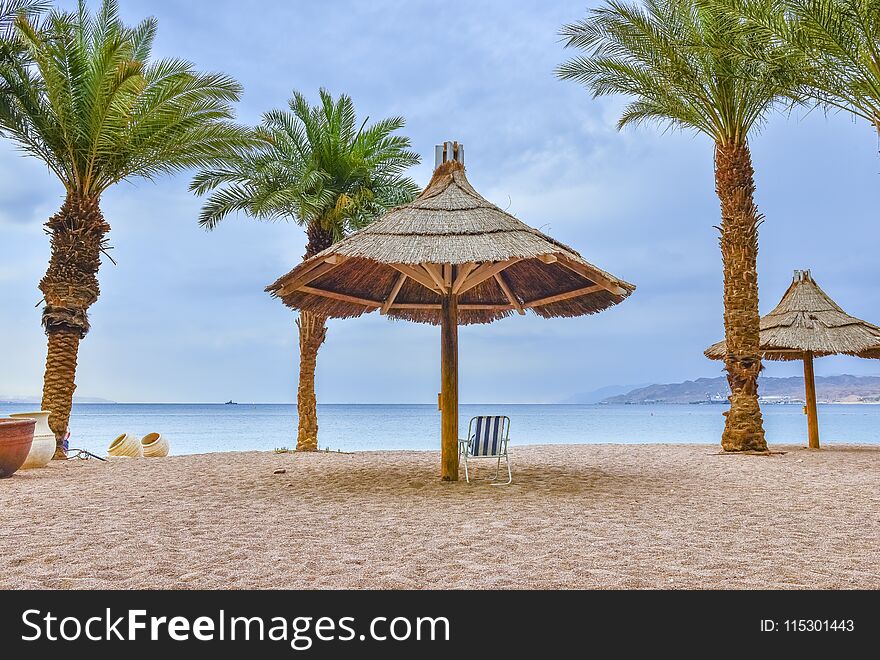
x: 839, y: 43
x: 674, y: 59
x: 85, y: 99
x: 318, y: 167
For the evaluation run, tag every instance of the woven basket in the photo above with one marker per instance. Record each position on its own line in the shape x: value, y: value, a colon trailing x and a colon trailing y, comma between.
x: 126, y: 445
x: 155, y: 445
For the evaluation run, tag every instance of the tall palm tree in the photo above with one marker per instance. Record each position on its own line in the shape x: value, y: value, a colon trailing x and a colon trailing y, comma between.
x: 85, y: 99
x: 674, y: 59
x: 318, y: 167
x: 839, y: 43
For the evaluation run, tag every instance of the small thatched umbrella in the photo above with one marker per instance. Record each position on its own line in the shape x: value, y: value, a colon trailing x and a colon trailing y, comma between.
x: 449, y: 258
x: 807, y: 323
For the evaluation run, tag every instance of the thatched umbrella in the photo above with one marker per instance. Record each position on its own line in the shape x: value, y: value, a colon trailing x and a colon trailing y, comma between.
x: 450, y: 257
x: 807, y: 323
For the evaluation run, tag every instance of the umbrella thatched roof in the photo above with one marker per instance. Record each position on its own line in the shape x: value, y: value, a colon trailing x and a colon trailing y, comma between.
x: 808, y: 320
x: 450, y: 239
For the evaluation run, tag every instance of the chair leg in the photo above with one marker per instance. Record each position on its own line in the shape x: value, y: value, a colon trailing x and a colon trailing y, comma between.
x: 509, y: 473
x: 466, y: 477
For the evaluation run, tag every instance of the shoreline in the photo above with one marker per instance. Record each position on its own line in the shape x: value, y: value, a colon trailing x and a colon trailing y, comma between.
x: 433, y: 405
x: 774, y: 448
x: 198, y: 429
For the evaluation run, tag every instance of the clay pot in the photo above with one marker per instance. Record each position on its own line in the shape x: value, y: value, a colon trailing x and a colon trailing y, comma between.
x: 43, y: 447
x: 126, y: 445
x: 155, y: 445
x: 16, y: 436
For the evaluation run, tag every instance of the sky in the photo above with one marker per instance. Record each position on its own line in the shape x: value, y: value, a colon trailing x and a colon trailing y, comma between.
x: 183, y: 316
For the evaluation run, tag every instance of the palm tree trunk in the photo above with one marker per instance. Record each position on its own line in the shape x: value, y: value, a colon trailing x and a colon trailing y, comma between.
x: 69, y: 287
x: 59, y: 382
x: 734, y: 181
x: 312, y: 332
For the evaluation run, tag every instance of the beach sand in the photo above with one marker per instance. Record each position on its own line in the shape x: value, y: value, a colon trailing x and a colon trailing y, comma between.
x: 582, y: 516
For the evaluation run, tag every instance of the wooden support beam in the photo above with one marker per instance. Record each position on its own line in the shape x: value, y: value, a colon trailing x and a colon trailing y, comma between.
x: 417, y: 274
x: 424, y: 306
x: 436, y: 274
x: 594, y: 276
x: 502, y: 282
x: 476, y: 307
x: 332, y: 259
x: 447, y: 276
x: 484, y: 272
x: 461, y: 307
x: 548, y: 258
x: 463, y: 271
x: 340, y: 296
x: 449, y: 389
x: 309, y: 276
x: 810, y: 408
x: 394, y: 291
x: 564, y: 296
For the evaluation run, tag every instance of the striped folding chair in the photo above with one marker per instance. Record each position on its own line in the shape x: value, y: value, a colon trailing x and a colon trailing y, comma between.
x: 487, y: 438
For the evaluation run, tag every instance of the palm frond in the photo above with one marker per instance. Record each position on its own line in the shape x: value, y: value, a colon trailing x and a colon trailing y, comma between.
x: 10, y: 9
x: 837, y: 41
x: 677, y: 60
x: 313, y: 164
x: 85, y: 97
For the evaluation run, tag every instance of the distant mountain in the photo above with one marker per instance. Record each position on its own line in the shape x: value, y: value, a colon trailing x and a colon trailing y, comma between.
x: 596, y: 396
x: 829, y: 389
x: 36, y: 399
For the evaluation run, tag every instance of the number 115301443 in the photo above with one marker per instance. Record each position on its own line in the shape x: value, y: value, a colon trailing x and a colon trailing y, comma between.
x: 807, y: 625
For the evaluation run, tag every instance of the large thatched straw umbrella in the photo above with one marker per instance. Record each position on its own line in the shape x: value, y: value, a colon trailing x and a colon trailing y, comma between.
x: 807, y: 323
x: 449, y: 258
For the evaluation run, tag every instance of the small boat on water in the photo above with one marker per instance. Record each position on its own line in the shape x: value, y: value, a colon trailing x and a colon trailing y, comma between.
x: 230, y: 403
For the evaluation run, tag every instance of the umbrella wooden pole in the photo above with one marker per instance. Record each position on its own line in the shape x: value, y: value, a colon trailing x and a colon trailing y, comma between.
x: 449, y: 388
x: 812, y: 412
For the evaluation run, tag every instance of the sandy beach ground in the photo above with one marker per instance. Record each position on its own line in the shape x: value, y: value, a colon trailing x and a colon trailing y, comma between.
x: 586, y: 516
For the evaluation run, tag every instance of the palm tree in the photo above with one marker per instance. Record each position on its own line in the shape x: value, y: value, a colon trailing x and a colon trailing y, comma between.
x: 318, y: 167
x: 85, y: 99
x: 839, y: 43
x: 674, y: 59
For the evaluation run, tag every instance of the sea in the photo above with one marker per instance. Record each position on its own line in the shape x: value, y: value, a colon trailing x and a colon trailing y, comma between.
x: 202, y: 428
